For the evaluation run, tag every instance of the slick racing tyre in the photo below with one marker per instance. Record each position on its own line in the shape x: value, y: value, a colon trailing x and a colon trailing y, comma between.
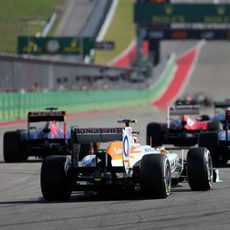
x: 56, y: 181
x: 214, y: 126
x: 199, y: 169
x: 13, y: 147
x: 154, y: 134
x: 155, y: 176
x: 210, y: 140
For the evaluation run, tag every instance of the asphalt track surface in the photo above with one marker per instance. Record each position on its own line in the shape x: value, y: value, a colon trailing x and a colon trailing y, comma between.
x: 74, y: 17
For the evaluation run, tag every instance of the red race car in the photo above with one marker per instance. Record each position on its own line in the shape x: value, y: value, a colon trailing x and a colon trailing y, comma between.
x: 183, y: 126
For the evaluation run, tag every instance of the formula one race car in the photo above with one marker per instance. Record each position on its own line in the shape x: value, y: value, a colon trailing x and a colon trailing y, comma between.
x: 196, y: 99
x: 218, y: 142
x: 181, y: 128
x: 219, y: 111
x: 124, y: 165
x: 46, y: 134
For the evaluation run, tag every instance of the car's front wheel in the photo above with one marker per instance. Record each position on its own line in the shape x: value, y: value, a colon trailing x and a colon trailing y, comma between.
x: 13, y: 147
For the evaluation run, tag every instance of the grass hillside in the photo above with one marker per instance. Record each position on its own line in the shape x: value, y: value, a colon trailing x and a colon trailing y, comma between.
x: 121, y: 31
x: 27, y: 17
x: 23, y: 17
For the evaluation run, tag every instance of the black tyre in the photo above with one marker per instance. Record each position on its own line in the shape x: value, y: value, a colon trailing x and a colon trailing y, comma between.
x: 154, y: 134
x: 155, y: 176
x: 56, y: 181
x: 210, y: 140
x: 13, y: 147
x: 199, y: 169
x: 214, y: 126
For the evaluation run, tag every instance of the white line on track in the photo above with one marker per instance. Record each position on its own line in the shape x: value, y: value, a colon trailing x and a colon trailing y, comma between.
x: 107, y: 21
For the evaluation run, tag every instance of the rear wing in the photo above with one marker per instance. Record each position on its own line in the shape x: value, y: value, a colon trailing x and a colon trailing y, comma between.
x: 184, y: 110
x: 91, y: 135
x: 46, y: 116
x: 222, y: 104
x: 180, y: 110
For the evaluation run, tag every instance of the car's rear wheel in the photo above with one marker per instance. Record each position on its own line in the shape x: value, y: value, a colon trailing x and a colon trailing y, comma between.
x: 154, y: 134
x: 155, y: 176
x: 13, y: 147
x: 56, y: 181
x: 199, y: 169
x: 210, y: 140
x: 214, y: 126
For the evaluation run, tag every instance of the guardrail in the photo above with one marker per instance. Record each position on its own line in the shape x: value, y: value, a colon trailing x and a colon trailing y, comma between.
x: 16, y: 105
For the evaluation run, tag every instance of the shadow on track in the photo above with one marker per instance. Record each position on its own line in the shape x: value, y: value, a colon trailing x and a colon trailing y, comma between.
x: 23, y: 162
x: 73, y: 199
x: 19, y: 202
x: 79, y: 197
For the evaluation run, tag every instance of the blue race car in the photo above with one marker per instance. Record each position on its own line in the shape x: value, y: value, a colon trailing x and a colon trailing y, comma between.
x: 46, y: 134
x: 219, y: 111
x: 218, y: 142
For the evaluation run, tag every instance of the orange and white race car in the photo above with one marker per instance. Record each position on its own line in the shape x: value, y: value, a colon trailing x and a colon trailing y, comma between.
x: 124, y: 164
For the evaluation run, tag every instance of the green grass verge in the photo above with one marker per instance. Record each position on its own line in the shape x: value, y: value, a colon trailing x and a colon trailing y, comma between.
x: 121, y: 31
x: 23, y: 17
